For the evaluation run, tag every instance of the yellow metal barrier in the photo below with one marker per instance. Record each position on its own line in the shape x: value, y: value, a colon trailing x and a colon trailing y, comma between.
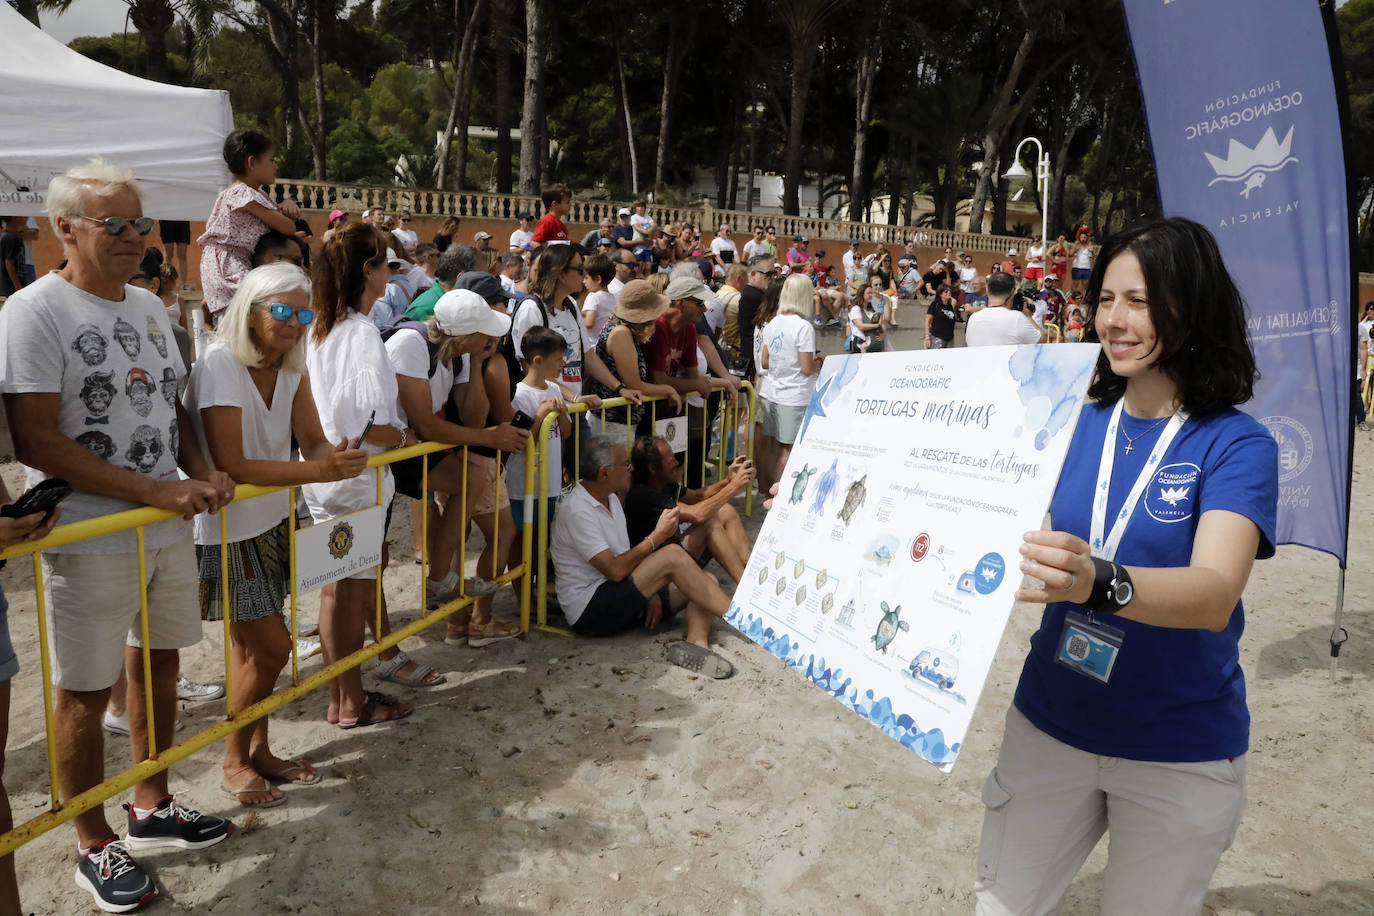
x: 157, y: 761
x: 537, y: 515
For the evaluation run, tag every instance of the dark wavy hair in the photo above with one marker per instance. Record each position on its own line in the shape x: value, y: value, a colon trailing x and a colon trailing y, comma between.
x: 337, y: 278
x: 242, y: 144
x: 1198, y: 315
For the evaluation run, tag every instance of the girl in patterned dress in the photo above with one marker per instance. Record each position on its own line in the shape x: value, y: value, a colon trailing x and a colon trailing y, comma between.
x: 241, y: 215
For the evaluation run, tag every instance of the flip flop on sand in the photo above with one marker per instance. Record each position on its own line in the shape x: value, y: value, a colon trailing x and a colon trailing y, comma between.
x: 699, y: 659
x: 238, y: 795
x: 396, y: 709
x: 293, y: 766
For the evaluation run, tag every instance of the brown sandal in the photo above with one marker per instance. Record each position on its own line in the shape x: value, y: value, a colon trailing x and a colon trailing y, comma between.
x: 375, y: 702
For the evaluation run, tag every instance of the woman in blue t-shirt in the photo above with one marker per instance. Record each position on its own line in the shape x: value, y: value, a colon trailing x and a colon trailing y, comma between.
x: 1130, y: 713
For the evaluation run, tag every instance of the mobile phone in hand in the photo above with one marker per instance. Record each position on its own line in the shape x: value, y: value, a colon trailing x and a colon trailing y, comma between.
x: 522, y: 420
x: 358, y: 443
x: 42, y: 497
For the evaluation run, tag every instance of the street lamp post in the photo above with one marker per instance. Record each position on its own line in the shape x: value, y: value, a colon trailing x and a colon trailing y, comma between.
x: 1042, y: 174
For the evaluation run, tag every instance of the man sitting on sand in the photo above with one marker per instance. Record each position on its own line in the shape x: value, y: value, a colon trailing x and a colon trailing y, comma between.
x: 606, y: 586
x: 709, y: 525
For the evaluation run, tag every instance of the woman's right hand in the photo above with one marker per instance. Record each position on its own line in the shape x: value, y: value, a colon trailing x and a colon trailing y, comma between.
x: 29, y: 527
x: 344, y: 462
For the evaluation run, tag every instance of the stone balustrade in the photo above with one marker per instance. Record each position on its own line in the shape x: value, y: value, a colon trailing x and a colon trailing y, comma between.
x: 326, y: 196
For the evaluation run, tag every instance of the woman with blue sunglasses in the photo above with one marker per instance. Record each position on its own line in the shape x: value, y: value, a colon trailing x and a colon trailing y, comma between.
x: 248, y: 394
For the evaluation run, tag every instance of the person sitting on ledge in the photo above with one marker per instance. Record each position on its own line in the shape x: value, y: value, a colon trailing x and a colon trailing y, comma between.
x: 709, y: 526
x: 606, y: 586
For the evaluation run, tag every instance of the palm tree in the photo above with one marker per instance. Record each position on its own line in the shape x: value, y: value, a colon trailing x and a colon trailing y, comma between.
x: 154, y: 20
x: 803, y: 20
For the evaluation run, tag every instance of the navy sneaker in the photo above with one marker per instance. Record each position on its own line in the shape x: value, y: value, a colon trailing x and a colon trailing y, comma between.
x: 173, y: 826
x: 113, y: 878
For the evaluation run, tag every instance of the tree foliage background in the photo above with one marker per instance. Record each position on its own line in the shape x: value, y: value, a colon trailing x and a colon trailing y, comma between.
x: 881, y: 99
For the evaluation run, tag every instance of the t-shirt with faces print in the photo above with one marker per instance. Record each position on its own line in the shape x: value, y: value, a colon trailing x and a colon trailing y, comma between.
x: 118, y: 376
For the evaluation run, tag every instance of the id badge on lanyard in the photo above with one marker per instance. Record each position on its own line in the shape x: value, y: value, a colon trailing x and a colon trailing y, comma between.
x: 1086, y: 645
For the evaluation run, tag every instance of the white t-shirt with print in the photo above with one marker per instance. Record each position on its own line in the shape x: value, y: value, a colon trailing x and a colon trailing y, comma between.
x: 528, y: 398
x: 763, y: 381
x: 565, y: 321
x: 858, y: 313
x: 786, y: 337
x: 520, y: 238
x: 410, y: 356
x: 117, y: 370
x: 220, y: 380
x: 752, y: 249
x: 999, y: 326
x: 351, y: 376
x: 600, y: 304
x: 643, y: 226
x: 719, y: 245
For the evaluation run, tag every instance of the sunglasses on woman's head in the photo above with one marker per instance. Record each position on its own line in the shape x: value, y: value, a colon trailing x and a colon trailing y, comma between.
x: 114, y: 225
x: 282, y: 312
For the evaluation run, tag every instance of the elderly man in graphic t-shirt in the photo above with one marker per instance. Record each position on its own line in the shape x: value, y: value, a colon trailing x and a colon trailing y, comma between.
x: 79, y: 353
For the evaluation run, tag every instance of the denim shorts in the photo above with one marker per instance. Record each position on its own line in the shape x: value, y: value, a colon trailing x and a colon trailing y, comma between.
x: 9, y: 663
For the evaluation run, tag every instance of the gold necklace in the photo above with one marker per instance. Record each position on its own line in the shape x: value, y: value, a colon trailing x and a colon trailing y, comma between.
x: 1130, y: 440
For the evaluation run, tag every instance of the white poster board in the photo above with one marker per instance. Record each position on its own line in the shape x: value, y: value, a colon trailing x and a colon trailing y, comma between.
x: 887, y: 567
x: 339, y: 548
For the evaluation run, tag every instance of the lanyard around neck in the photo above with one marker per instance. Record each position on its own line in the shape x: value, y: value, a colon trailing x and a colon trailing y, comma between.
x: 1106, y: 548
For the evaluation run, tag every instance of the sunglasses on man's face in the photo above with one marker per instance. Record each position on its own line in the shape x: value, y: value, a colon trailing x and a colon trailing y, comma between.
x: 114, y: 225
x: 282, y: 312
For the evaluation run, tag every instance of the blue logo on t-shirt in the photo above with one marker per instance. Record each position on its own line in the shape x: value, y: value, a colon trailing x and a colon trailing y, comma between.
x: 1172, y: 492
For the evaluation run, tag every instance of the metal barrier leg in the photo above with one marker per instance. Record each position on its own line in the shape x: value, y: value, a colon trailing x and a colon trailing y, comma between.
x: 527, y: 542
x: 291, y: 560
x: 45, y: 668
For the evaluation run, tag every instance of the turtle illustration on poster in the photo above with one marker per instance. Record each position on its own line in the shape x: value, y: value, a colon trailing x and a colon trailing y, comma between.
x: 888, y: 625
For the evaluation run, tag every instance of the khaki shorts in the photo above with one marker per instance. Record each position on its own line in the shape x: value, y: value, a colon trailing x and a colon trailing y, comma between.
x: 93, y: 610
x: 486, y: 485
x: 1048, y: 804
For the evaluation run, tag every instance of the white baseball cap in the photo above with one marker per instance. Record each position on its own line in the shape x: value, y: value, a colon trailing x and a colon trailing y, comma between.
x: 461, y: 311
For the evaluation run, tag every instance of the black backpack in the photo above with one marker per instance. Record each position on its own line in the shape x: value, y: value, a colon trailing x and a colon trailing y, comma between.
x: 419, y: 327
x: 507, y: 346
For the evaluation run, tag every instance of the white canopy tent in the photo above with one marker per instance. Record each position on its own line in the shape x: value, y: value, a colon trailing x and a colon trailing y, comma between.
x: 59, y: 109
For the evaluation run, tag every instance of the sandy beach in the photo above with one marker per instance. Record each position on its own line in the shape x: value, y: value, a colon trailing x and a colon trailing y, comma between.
x: 562, y: 775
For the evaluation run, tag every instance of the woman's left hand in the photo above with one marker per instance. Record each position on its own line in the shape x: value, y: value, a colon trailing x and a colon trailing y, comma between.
x: 1060, y: 560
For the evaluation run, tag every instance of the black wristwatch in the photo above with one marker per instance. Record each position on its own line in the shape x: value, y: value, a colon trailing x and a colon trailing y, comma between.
x: 619, y: 388
x: 1112, y: 588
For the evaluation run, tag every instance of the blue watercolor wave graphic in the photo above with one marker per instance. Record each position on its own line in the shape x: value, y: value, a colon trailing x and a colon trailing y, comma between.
x: 929, y: 745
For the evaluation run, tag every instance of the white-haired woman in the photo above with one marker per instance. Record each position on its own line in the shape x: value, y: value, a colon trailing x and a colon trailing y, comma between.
x: 248, y: 393
x: 792, y: 361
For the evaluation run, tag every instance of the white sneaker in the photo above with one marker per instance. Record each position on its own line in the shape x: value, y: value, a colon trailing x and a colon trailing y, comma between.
x: 195, y: 692
x: 308, y: 647
x: 119, y: 725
